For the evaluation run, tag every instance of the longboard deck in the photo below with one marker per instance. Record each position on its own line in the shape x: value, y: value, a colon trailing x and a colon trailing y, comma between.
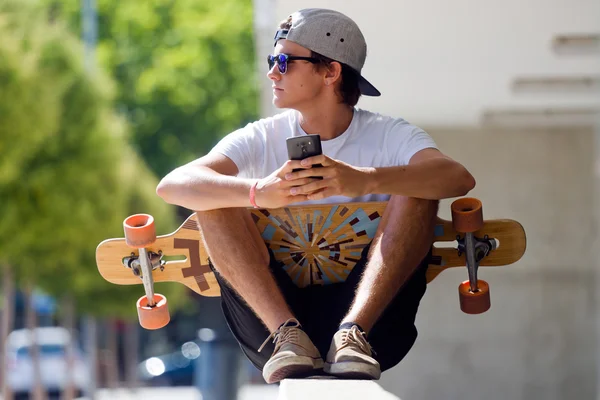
x: 316, y: 244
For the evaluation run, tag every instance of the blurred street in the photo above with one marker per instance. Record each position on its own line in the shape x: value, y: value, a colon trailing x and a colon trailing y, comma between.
x: 100, y: 101
x: 247, y: 392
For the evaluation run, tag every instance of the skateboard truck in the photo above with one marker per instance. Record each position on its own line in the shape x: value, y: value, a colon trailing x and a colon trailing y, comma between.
x: 467, y: 218
x: 134, y: 263
x: 476, y: 249
x: 146, y: 264
x: 140, y: 234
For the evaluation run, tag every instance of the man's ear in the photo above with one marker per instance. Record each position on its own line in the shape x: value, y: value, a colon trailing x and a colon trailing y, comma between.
x: 333, y: 73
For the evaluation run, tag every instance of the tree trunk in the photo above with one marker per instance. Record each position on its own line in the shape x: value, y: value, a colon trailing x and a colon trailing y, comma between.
x: 31, y: 317
x: 131, y: 354
x: 68, y: 322
x: 91, y: 337
x: 8, y: 291
x: 112, y: 349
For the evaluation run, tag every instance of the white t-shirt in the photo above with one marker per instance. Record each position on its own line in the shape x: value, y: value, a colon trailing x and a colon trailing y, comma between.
x: 371, y: 140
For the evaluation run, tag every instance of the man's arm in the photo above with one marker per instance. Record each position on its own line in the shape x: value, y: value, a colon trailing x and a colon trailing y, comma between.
x: 205, y: 184
x: 209, y: 183
x: 429, y: 175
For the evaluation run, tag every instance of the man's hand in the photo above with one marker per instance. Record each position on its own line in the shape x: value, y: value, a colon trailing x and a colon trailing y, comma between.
x: 339, y: 179
x: 273, y: 191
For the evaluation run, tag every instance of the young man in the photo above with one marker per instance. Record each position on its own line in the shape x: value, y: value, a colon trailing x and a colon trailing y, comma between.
x: 355, y: 328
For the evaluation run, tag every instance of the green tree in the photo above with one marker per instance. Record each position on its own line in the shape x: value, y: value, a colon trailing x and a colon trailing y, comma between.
x: 185, y: 71
x: 68, y: 177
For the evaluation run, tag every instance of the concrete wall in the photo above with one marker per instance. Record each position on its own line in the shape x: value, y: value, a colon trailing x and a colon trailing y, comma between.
x: 538, y: 340
x: 446, y: 62
x: 452, y: 61
x: 596, y: 208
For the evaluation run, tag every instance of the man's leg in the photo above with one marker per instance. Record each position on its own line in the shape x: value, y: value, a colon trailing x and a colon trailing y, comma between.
x: 239, y: 253
x: 401, y: 242
x: 250, y: 294
x: 398, y: 249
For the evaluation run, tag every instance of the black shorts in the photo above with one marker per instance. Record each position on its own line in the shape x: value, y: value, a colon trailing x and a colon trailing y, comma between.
x: 320, y: 309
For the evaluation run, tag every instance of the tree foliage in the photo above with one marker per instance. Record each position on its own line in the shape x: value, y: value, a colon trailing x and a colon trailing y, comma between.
x: 180, y: 75
x: 68, y: 176
x: 185, y: 71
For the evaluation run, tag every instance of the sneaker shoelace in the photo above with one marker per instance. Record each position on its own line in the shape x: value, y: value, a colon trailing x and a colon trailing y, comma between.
x: 285, y: 334
x: 354, y: 337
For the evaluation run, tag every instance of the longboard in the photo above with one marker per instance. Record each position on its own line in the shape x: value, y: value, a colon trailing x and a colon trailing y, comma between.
x: 316, y: 244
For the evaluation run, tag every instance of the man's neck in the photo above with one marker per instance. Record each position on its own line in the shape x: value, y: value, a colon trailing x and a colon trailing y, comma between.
x: 328, y: 122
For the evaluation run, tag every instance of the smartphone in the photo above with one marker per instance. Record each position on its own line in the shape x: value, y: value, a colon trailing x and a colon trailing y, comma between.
x: 301, y: 147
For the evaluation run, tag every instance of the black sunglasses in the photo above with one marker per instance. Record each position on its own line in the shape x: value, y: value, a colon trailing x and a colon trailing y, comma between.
x: 282, y: 61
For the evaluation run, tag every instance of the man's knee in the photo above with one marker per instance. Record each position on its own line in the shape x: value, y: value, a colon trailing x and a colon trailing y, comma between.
x: 412, y: 214
x: 420, y: 207
x: 232, y: 228
x: 222, y: 219
x: 408, y: 221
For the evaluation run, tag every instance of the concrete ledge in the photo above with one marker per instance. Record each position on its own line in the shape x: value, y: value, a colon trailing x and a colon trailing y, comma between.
x: 327, y: 389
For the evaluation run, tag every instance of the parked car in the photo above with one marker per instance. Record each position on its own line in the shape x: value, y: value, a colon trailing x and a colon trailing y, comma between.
x: 172, y: 369
x: 198, y: 362
x: 52, y: 343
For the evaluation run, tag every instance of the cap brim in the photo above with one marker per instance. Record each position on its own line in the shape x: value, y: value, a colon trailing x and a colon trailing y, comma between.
x: 366, y: 88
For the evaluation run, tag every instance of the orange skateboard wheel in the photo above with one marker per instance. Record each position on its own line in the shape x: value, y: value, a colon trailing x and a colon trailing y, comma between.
x: 139, y: 230
x: 154, y: 317
x: 474, y: 302
x: 467, y: 215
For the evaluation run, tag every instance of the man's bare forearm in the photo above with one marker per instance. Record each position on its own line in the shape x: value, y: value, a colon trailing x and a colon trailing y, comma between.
x: 432, y: 179
x: 202, y: 189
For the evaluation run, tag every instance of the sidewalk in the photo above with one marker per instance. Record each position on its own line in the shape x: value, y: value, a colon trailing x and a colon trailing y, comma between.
x: 327, y: 389
x: 290, y: 389
x: 247, y: 392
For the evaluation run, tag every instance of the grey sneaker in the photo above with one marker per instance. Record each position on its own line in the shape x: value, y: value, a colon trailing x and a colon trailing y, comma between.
x: 350, y: 356
x: 294, y: 354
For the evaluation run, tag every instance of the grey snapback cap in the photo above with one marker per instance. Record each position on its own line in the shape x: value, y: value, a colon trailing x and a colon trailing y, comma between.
x: 333, y: 35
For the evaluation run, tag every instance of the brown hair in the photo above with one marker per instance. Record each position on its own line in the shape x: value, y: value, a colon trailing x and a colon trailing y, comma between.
x: 348, y: 87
